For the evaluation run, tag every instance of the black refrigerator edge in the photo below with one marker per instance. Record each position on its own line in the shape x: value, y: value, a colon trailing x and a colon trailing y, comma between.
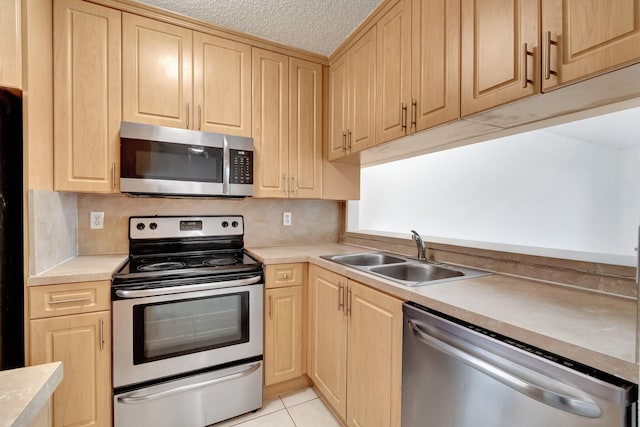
x: 11, y: 231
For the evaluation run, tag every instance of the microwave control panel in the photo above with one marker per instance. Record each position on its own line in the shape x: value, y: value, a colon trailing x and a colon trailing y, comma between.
x: 241, y: 164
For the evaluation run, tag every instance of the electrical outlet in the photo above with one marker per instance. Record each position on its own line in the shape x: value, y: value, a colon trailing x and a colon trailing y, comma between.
x: 286, y: 218
x: 96, y: 220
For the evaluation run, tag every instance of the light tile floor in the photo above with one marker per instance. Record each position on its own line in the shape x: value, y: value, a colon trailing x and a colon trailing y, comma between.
x: 297, y: 409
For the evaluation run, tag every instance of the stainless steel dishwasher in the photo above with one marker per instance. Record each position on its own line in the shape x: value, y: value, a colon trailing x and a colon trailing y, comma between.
x: 455, y: 374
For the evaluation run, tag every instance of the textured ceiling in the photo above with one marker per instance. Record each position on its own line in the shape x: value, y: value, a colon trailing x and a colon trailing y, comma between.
x: 318, y: 26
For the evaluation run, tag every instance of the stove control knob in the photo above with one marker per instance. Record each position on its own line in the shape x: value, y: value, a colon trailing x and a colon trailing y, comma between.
x: 234, y: 224
x: 225, y: 224
x: 140, y: 226
x: 153, y: 226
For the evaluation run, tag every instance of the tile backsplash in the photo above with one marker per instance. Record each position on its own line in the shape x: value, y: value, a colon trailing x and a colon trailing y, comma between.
x: 53, y: 229
x: 313, y: 221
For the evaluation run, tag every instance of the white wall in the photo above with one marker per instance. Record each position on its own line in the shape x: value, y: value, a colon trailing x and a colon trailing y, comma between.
x: 535, y: 189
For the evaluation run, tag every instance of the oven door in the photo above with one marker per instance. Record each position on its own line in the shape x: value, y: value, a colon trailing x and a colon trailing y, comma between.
x: 165, y: 335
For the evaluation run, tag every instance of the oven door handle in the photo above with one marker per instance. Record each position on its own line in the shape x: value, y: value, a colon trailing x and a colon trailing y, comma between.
x: 132, y: 398
x: 139, y: 293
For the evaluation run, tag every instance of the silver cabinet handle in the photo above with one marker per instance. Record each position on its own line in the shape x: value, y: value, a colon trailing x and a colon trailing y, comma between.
x: 414, y: 114
x: 340, y: 296
x: 122, y: 293
x: 525, y: 66
x: 65, y: 301
x: 113, y: 175
x: 294, y: 185
x: 132, y: 398
x: 349, y: 302
x: 101, y: 334
x: 199, y: 117
x: 547, y: 65
x: 285, y: 184
x: 349, y: 139
x: 270, y: 306
x: 188, y: 115
x: 344, y: 141
x: 556, y: 399
x: 403, y: 116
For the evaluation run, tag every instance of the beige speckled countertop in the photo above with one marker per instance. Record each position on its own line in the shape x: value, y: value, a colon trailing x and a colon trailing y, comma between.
x: 86, y: 268
x: 25, y: 391
x: 592, y: 328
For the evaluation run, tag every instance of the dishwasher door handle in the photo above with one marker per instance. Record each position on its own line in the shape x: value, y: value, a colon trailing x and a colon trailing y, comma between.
x: 556, y: 399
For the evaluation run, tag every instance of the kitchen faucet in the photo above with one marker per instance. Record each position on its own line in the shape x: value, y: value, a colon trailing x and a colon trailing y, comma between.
x: 422, y: 249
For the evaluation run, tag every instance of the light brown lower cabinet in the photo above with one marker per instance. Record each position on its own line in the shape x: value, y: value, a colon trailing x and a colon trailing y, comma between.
x: 355, y: 349
x: 284, y: 324
x: 283, y: 334
x: 80, y: 340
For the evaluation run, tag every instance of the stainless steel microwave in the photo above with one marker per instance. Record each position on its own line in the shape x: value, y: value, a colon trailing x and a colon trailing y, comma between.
x: 180, y: 162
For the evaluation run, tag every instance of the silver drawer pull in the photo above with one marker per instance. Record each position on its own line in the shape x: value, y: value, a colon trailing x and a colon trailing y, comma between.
x: 132, y: 398
x: 67, y: 301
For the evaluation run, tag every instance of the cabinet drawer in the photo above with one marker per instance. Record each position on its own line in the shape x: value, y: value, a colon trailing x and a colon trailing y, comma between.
x: 69, y: 298
x: 280, y: 275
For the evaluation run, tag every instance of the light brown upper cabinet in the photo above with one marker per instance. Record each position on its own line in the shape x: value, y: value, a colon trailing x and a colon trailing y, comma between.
x: 582, y: 38
x: 435, y: 58
x: 11, y: 44
x: 500, y: 53
x: 352, y: 99
x: 287, y: 126
x: 159, y: 88
x: 156, y: 61
x: 221, y: 85
x: 87, y: 96
x: 393, y: 73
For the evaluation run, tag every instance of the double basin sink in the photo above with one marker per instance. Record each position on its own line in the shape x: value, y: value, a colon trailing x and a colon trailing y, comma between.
x: 404, y: 270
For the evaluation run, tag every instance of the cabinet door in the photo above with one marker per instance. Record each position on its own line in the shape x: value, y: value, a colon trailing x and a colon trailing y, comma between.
x: 305, y: 129
x: 328, y: 337
x: 221, y: 85
x: 375, y: 358
x: 435, y: 76
x: 83, y: 344
x: 87, y: 96
x: 582, y: 38
x: 270, y: 119
x: 393, y: 72
x: 362, y: 88
x: 11, y: 44
x: 282, y: 334
x: 156, y: 72
x: 494, y: 59
x: 339, y: 108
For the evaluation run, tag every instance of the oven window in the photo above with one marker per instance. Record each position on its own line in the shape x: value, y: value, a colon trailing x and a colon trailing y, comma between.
x: 170, y: 161
x: 170, y: 329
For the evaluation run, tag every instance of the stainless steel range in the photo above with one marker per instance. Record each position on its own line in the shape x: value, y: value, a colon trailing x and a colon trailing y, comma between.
x: 187, y: 323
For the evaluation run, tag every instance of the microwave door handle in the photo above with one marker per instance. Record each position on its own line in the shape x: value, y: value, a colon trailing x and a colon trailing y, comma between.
x: 557, y: 399
x: 139, y: 293
x: 226, y: 166
x: 132, y: 399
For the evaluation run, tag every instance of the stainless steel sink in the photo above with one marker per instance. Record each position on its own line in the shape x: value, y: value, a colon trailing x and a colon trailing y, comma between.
x: 416, y: 272
x: 368, y: 259
x: 404, y: 270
